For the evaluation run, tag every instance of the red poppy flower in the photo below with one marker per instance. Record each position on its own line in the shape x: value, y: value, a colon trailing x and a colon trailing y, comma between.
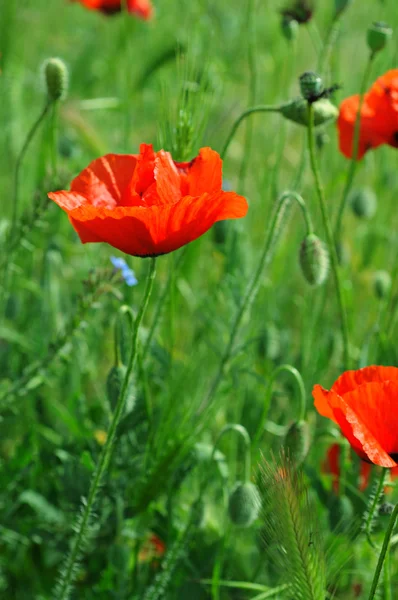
x: 379, y: 117
x: 142, y: 8
x: 364, y: 404
x: 146, y: 204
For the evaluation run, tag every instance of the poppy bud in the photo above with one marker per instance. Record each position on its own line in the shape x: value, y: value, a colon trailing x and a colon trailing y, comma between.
x: 363, y: 203
x: 311, y: 85
x: 341, y: 513
x: 269, y: 342
x: 290, y: 28
x: 341, y: 5
x: 244, y: 504
x: 314, y: 260
x: 297, y: 442
x: 381, y: 284
x: 56, y: 78
x: 114, y: 383
x: 378, y: 35
x: 386, y: 509
x: 296, y: 110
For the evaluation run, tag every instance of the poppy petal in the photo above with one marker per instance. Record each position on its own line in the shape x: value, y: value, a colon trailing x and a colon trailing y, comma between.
x: 321, y: 402
x: 350, y: 380
x: 205, y: 173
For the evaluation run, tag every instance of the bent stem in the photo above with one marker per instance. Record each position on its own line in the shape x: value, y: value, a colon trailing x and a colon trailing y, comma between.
x: 383, y: 552
x: 246, y: 113
x: 367, y: 527
x: 355, y: 148
x: 253, y: 285
x: 268, y: 394
x: 329, y: 234
x: 68, y: 573
x: 246, y: 438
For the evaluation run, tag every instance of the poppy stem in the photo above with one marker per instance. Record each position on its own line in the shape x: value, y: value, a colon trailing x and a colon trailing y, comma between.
x: 383, y: 552
x: 355, y: 149
x: 367, y: 526
x: 68, y: 573
x: 329, y: 233
x: 21, y: 156
x: 246, y: 113
x: 246, y: 438
x: 268, y: 395
x: 253, y: 285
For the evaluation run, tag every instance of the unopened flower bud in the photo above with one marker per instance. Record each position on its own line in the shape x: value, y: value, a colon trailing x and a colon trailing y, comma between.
x: 363, y: 203
x: 381, y: 284
x: 314, y: 260
x: 244, y: 504
x: 341, y: 513
x: 297, y: 110
x: 56, y: 78
x: 297, y: 442
x: 386, y: 509
x: 311, y: 85
x: 290, y: 28
x: 269, y: 342
x: 378, y: 35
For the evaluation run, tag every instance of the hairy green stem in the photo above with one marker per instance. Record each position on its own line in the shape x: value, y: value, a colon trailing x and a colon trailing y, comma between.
x: 355, y: 148
x: 329, y: 234
x: 252, y: 287
x: 383, y: 552
x: 268, y: 394
x: 246, y: 113
x: 367, y: 527
x: 68, y: 574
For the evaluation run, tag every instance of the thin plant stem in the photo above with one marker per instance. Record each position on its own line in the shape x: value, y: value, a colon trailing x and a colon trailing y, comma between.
x: 383, y: 552
x: 355, y: 148
x: 28, y: 140
x: 387, y: 576
x: 268, y: 395
x: 252, y: 287
x: 367, y: 527
x: 329, y: 234
x: 251, y: 48
x: 246, y: 438
x: 69, y: 571
x: 246, y: 113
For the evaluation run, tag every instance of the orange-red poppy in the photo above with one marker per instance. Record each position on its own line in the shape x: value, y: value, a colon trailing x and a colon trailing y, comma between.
x: 379, y: 117
x: 142, y: 8
x: 364, y: 404
x: 147, y: 204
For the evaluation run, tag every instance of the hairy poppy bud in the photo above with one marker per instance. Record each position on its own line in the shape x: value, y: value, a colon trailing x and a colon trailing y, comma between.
x: 114, y: 383
x: 56, y: 78
x: 378, y: 36
x: 341, y: 5
x: 289, y: 28
x: 244, y: 504
x: 341, y: 513
x: 269, y: 342
x: 297, y: 442
x: 386, y: 509
x: 314, y: 260
x: 381, y: 284
x: 296, y: 110
x: 363, y: 203
x: 311, y: 85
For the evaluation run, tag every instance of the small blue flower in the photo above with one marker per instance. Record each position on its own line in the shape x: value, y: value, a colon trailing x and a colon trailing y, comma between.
x: 127, y: 273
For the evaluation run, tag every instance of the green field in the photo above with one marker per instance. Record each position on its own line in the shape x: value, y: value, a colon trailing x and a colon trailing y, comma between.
x: 233, y: 334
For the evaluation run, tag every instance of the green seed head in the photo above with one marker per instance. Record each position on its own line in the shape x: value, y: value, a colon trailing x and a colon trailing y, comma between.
x: 296, y: 110
x: 290, y: 28
x: 314, y: 260
x: 386, y: 509
x: 311, y: 85
x: 381, y: 284
x: 56, y: 78
x: 297, y: 442
x: 377, y: 36
x: 363, y: 203
x: 114, y: 383
x: 244, y: 504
